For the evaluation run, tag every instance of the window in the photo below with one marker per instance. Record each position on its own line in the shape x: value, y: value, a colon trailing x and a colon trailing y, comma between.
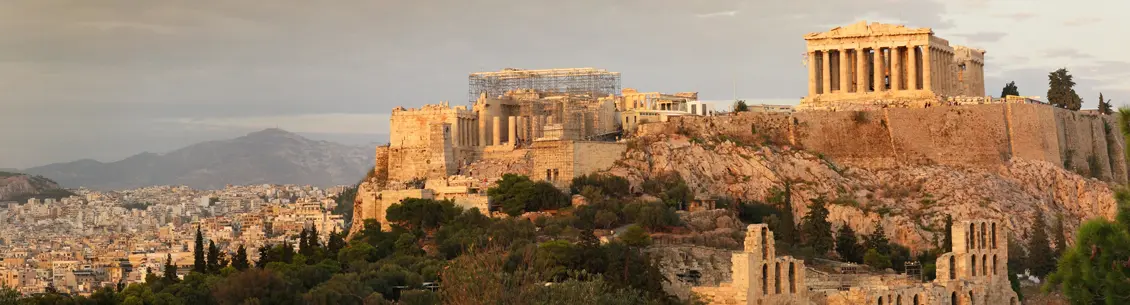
x: 548, y: 174
x: 764, y: 279
x: 694, y: 109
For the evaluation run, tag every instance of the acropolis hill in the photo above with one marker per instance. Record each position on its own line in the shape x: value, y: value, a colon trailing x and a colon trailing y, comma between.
x: 895, y: 131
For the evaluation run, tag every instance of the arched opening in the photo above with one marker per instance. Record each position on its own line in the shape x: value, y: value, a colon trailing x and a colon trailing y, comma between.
x: 953, y: 298
x: 915, y: 300
x: 898, y: 300
x: 984, y: 265
x: 777, y: 278
x: 972, y: 265
x: 764, y: 243
x: 764, y: 279
x: 880, y: 300
x: 994, y: 235
x: 792, y: 278
x: 995, y: 264
x: 983, y: 235
x: 971, y: 301
x: 970, y: 235
x: 953, y: 268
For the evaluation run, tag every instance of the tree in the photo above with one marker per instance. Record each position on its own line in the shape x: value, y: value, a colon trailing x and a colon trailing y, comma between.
x: 264, y: 256
x: 170, y: 269
x: 198, y: 262
x: 635, y: 236
x: 876, y: 260
x: 847, y: 245
x: 1040, y: 254
x: 783, y: 199
x: 740, y: 106
x: 335, y: 243
x: 213, y: 258
x: 816, y: 230
x: 1061, y: 92
x: 947, y: 243
x: 1104, y: 105
x: 240, y: 262
x: 1096, y: 269
x: 312, y: 239
x: 878, y: 241
x: 516, y: 194
x: 1010, y: 89
x: 1059, y: 239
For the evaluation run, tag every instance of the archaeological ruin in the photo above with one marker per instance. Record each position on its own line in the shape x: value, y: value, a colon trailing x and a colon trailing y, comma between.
x: 974, y: 272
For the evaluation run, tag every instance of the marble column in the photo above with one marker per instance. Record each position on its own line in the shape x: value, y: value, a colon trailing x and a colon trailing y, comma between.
x: 512, y: 130
x: 879, y: 70
x: 861, y: 70
x: 826, y: 69
x: 845, y: 71
x: 482, y: 140
x: 912, y: 68
x: 496, y: 137
x: 927, y: 72
x: 455, y: 133
x: 896, y: 68
x: 812, y: 72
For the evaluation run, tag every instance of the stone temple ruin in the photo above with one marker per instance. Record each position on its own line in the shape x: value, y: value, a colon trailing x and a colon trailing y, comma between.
x: 974, y: 272
x: 551, y: 125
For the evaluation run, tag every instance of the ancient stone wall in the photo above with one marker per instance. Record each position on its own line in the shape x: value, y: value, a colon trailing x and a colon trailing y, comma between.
x: 978, y: 136
x: 560, y: 161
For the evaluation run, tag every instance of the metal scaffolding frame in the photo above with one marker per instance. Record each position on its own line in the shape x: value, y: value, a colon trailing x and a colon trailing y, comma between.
x: 597, y: 82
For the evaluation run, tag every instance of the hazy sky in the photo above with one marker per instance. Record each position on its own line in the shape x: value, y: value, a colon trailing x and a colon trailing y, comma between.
x: 106, y: 79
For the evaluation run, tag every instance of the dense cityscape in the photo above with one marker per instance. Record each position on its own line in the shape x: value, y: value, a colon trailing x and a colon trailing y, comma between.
x: 106, y: 238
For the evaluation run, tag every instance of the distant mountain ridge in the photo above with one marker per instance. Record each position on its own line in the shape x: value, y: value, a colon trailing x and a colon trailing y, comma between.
x: 20, y: 187
x: 272, y: 156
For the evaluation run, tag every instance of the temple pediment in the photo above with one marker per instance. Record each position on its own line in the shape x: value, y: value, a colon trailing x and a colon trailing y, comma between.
x: 863, y: 28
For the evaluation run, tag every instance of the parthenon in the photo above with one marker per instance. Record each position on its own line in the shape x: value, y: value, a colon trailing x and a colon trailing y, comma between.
x: 882, y: 63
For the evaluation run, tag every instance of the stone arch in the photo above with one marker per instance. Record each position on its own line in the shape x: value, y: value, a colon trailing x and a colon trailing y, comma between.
x: 953, y: 298
x: 898, y: 300
x: 953, y: 267
x: 984, y: 265
x: 995, y: 264
x: 915, y: 300
x: 971, y: 301
x: 983, y: 235
x: 764, y: 279
x: 777, y: 278
x: 880, y: 300
x: 970, y: 237
x: 994, y: 235
x: 792, y: 277
x: 764, y: 243
x: 972, y: 265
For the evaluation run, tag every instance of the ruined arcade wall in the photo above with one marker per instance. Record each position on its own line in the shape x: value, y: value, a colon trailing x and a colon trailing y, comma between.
x: 977, y: 136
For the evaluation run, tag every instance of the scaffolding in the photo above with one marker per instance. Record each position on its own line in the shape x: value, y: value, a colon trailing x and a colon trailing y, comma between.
x: 596, y: 82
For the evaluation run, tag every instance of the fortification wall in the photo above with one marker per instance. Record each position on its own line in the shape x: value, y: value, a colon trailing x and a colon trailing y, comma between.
x: 976, y: 136
x: 589, y: 157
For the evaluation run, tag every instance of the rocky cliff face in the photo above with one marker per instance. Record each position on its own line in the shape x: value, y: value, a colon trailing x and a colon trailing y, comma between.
x: 20, y: 187
x: 910, y: 202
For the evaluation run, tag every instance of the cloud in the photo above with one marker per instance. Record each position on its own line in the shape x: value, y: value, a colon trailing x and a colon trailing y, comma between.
x: 1017, y: 16
x: 1081, y: 21
x: 1066, y: 52
x: 983, y: 37
x: 717, y: 14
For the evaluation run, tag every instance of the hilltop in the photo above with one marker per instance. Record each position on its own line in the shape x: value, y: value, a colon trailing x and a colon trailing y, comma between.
x: 20, y: 187
x: 272, y: 156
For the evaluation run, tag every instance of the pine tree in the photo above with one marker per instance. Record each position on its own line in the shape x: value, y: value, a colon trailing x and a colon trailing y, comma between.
x: 1040, y: 255
x: 816, y: 230
x: 847, y: 245
x: 878, y: 241
x: 239, y: 262
x: 287, y: 252
x: 337, y: 242
x: 785, y: 230
x: 213, y: 258
x: 303, y: 243
x: 1010, y: 89
x: 1061, y: 92
x: 312, y: 238
x: 170, y: 269
x: 1104, y: 105
x: 1058, y: 238
x: 198, y: 262
x: 264, y: 256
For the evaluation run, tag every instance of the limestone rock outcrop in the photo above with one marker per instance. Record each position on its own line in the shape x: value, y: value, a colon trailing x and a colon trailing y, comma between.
x: 911, y: 202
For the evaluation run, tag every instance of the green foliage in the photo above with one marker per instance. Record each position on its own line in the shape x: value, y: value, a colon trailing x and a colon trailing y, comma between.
x: 1010, y: 89
x: 878, y: 241
x: 610, y: 185
x: 635, y: 236
x: 653, y: 216
x: 740, y: 106
x: 947, y: 243
x: 1041, y: 258
x: 517, y: 194
x: 755, y: 212
x: 198, y: 262
x: 240, y: 261
x: 1094, y: 271
x: 344, y: 204
x: 847, y: 245
x: 1061, y: 90
x: 421, y: 214
x: 816, y: 230
x: 876, y: 260
x: 670, y: 188
x: 785, y: 230
x: 1105, y: 107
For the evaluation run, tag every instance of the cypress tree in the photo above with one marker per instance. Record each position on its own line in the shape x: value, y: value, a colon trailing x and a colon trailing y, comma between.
x: 198, y: 262
x: 1040, y: 255
x: 170, y: 268
x: 312, y: 238
x: 213, y: 258
x: 264, y: 256
x: 947, y: 244
x: 816, y: 230
x: 878, y: 241
x: 336, y: 243
x: 303, y: 243
x: 239, y: 262
x: 847, y: 245
x: 287, y: 252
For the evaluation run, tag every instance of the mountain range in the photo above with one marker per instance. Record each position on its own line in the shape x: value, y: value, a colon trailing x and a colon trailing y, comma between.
x: 270, y: 156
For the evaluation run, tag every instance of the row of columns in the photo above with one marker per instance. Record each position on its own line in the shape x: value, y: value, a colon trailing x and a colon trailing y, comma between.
x: 524, y: 128
x: 882, y: 69
x: 463, y: 133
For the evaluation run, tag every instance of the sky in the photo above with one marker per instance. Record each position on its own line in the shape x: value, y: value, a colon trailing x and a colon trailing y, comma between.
x: 106, y: 79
